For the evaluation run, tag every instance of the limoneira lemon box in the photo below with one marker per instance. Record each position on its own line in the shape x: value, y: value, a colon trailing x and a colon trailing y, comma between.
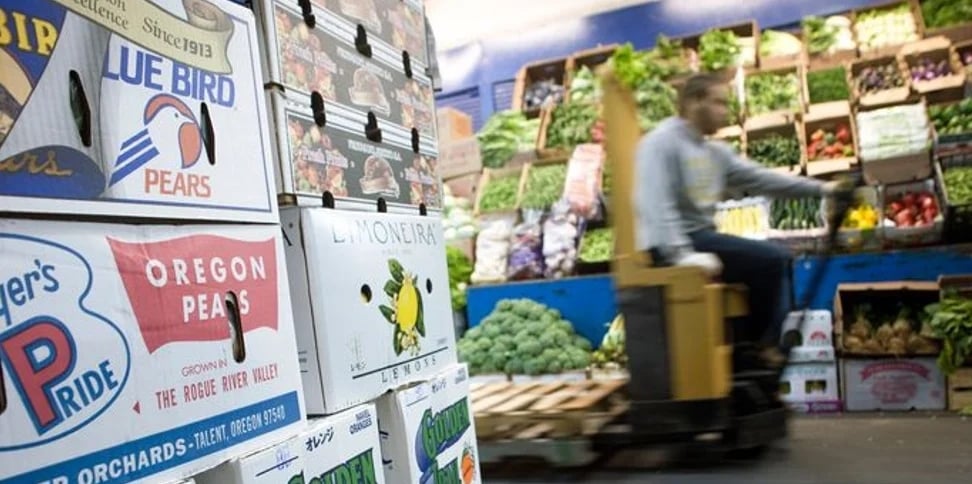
x: 371, y: 302
x: 141, y: 353
x: 428, y: 433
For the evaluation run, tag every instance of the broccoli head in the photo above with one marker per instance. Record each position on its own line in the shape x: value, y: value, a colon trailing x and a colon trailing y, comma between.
x: 500, y: 347
x: 554, y: 313
x: 477, y: 358
x: 493, y: 331
x: 582, y: 343
x: 534, y: 366
x: 488, y: 366
x: 565, y: 326
x: 474, y: 333
x: 498, y: 359
x: 484, y: 344
x: 522, y: 335
x: 504, y: 305
x: 523, y: 311
x: 546, y: 317
x: 506, y: 339
x: 529, y: 347
x: 554, y: 366
x: 550, y: 353
x: 514, y: 366
x: 579, y: 359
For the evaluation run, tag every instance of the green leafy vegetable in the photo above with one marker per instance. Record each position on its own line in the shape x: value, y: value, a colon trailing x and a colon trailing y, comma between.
x: 544, y: 186
x: 639, y: 72
x: 951, y: 320
x: 952, y: 118
x: 718, y: 49
x: 775, y: 150
x: 820, y: 35
x: 597, y: 245
x: 460, y: 269
x: 500, y: 194
x: 504, y: 135
x: 944, y: 13
x: 585, y: 87
x: 958, y: 185
x: 571, y: 125
x: 828, y: 85
x: 772, y: 91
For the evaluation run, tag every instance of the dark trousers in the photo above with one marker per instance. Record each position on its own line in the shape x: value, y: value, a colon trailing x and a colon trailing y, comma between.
x: 765, y: 269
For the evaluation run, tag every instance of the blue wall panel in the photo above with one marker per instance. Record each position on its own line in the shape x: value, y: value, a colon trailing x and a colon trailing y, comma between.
x: 497, y: 59
x: 588, y: 302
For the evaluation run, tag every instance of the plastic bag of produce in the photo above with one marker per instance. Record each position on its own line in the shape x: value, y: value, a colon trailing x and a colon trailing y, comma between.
x: 492, y: 248
x: 526, y: 248
x: 560, y: 233
x: 583, y: 182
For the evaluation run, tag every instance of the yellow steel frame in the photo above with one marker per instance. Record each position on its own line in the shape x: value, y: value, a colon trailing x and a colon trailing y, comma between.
x: 700, y: 357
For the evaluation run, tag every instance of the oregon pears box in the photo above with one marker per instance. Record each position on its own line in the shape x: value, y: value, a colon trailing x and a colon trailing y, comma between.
x: 133, y: 353
x: 428, y: 435
x: 281, y: 463
x: 398, y: 23
x: 335, y: 155
x: 371, y: 302
x: 133, y: 108
x: 343, y: 448
x: 319, y: 61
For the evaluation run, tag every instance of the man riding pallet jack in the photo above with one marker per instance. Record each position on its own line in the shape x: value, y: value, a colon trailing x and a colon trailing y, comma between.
x: 692, y: 379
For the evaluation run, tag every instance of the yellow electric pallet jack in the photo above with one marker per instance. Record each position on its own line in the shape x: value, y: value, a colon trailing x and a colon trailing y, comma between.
x: 689, y: 385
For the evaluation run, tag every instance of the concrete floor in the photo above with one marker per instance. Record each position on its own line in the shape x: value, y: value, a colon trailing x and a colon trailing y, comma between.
x: 880, y: 449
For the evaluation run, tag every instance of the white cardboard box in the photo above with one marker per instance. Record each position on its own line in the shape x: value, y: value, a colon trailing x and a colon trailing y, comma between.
x: 344, y: 448
x: 815, y: 328
x: 811, y: 387
x: 118, y: 356
x: 280, y: 463
x: 892, y: 384
x: 428, y: 433
x: 143, y: 147
x: 345, y: 267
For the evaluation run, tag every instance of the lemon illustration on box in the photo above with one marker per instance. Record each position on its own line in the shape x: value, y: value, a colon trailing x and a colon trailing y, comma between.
x: 406, y: 313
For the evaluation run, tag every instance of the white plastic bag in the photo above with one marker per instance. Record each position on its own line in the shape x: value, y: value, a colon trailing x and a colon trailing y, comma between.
x: 492, y: 248
x: 560, y: 234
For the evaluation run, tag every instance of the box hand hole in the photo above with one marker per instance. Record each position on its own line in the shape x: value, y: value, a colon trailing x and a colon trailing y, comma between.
x: 208, y: 133
x: 428, y: 285
x: 236, y: 326
x: 423, y: 211
x: 3, y: 393
x: 80, y: 108
x: 382, y: 205
x: 415, y: 141
x: 307, y: 12
x: 361, y: 42
x: 327, y: 199
x: 372, y: 131
x: 407, y: 64
x: 317, y: 108
x: 365, y: 293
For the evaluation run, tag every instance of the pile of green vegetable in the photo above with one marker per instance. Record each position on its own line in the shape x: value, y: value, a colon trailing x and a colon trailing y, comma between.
x: 639, y: 72
x: 825, y: 36
x: 505, y: 134
x: 460, y: 269
x: 772, y: 91
x: 544, y: 186
x: 775, y: 150
x: 718, y: 49
x: 952, y: 118
x: 597, y: 245
x: 520, y: 337
x: 951, y: 320
x: 828, y: 85
x: 774, y: 43
x: 795, y: 214
x: 500, y: 194
x: 571, y: 125
x: 668, y: 58
x: 945, y: 13
x: 958, y: 184
x: 585, y: 87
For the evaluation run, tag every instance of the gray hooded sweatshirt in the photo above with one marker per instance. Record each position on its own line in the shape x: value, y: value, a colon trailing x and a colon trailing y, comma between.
x: 680, y: 176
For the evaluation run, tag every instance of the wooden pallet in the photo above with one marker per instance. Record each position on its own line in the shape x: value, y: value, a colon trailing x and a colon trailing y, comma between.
x: 526, y: 411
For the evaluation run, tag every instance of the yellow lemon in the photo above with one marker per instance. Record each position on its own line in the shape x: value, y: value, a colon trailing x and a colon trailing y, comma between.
x: 406, y: 310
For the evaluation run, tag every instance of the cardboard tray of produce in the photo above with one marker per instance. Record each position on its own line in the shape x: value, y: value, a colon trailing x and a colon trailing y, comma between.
x: 593, y: 267
x: 551, y: 69
x: 869, y: 29
x: 308, y: 61
x: 912, y: 214
x: 339, y: 158
x: 883, y: 297
x: 857, y: 239
x: 958, y: 216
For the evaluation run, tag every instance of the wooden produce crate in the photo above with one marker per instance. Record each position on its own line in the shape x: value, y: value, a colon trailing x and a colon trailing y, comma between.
x: 963, y: 50
x: 529, y: 167
x: 777, y: 116
x: 937, y: 49
x: 883, y: 296
x: 959, y: 386
x: 863, y: 239
x: 590, y: 58
x: 895, y: 169
x: 527, y: 411
x: 890, y: 49
x: 822, y: 109
x: 491, y: 174
x: 832, y: 59
x: 958, y: 216
x: 742, y: 30
x: 553, y: 69
x: 786, y: 129
x: 879, y: 98
x: 895, y: 237
x: 956, y: 33
x: 545, y: 152
x: 829, y: 122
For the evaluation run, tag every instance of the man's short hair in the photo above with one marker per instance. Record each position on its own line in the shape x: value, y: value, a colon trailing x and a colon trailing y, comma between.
x: 697, y: 87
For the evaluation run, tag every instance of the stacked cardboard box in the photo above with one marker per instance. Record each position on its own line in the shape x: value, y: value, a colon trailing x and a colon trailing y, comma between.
x: 809, y: 382
x: 151, y: 351
x: 357, y: 149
